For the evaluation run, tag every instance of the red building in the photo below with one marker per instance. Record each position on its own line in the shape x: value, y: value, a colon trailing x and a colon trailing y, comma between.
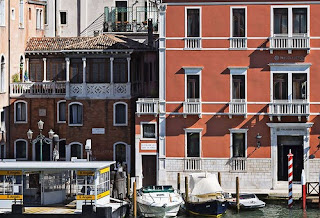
x: 82, y: 88
x: 238, y: 88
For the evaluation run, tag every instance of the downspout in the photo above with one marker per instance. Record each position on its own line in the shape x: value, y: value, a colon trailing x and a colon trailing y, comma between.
x: 55, y: 18
x: 9, y: 58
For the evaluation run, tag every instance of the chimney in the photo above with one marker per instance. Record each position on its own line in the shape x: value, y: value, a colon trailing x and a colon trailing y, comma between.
x: 150, y: 33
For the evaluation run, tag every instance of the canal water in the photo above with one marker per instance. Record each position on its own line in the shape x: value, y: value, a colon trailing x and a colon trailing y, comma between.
x: 272, y: 211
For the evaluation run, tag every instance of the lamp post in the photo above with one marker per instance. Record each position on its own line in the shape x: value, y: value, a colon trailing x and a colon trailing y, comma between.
x: 40, y: 137
x: 258, y: 137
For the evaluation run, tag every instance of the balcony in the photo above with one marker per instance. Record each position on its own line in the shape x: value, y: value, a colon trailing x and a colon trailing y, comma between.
x: 283, y: 42
x: 60, y: 89
x: 289, y: 108
x: 238, y: 107
x: 192, y: 107
x: 192, y: 164
x: 130, y: 19
x: 53, y: 89
x: 147, y: 106
x: 192, y: 43
x: 238, y: 164
x: 238, y: 43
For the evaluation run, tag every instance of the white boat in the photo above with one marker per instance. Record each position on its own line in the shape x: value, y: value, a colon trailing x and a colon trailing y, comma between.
x: 248, y: 201
x: 158, y: 201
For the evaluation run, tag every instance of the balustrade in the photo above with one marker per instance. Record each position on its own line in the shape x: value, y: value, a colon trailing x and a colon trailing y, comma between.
x: 238, y: 42
x: 285, y: 42
x: 192, y: 106
x: 192, y: 164
x: 147, y: 106
x: 238, y: 164
x: 237, y: 107
x: 289, y: 108
x: 193, y: 43
x: 37, y: 88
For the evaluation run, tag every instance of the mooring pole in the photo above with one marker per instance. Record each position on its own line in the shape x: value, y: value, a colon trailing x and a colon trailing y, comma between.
x: 319, y: 191
x: 219, y: 178
x: 186, y: 187
x: 290, y: 178
x: 304, y: 194
x: 178, y: 182
x: 128, y: 185
x: 237, y: 194
x: 134, y: 199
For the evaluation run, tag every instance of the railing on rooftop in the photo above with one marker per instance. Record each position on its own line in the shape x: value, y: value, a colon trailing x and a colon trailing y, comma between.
x: 130, y: 19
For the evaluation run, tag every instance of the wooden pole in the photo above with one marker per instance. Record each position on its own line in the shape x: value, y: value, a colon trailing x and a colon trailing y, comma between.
x: 134, y: 199
x: 186, y: 186
x: 219, y: 178
x: 304, y: 194
x: 128, y: 185
x: 178, y: 182
x: 237, y: 194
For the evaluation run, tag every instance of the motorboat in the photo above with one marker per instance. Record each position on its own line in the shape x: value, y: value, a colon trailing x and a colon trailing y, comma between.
x: 247, y: 201
x: 206, y: 196
x: 158, y: 201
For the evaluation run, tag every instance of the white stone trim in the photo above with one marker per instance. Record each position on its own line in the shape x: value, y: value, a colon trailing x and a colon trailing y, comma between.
x: 245, y: 131
x: 141, y: 129
x: 192, y: 130
x: 231, y: 19
x: 58, y: 111
x: 114, y: 114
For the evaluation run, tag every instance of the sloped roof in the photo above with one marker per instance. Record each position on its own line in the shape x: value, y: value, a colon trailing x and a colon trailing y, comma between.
x: 101, y: 42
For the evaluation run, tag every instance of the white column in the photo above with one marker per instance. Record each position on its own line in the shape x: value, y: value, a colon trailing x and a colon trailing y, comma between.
x: 84, y: 85
x: 111, y: 69
x: 67, y: 77
x: 44, y: 69
x: 128, y: 60
x: 27, y: 69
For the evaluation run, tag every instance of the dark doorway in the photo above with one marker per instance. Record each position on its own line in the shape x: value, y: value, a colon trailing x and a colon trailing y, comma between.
x: 46, y: 151
x: 285, y: 143
x: 149, y: 170
x: 31, y: 189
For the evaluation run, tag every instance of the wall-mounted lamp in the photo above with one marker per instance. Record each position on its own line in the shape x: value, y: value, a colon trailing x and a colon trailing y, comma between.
x: 258, y: 137
x: 312, y: 156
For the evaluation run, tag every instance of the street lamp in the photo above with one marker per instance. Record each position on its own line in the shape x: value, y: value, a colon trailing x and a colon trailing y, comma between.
x: 41, y: 137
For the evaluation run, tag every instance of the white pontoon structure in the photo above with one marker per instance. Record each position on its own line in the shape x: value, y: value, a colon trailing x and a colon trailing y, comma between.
x: 44, y: 183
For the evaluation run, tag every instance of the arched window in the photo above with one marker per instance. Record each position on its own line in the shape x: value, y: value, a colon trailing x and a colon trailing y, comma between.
x: 120, y: 111
x: 61, y: 110
x: 21, y: 149
x: 75, y: 114
x: 75, y: 150
x: 2, y: 75
x: 20, y: 112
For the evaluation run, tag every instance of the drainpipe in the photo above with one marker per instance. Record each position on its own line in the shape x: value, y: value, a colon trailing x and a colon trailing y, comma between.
x: 55, y: 18
x: 8, y: 88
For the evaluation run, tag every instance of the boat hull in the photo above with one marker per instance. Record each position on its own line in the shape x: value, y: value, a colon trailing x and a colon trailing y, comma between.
x: 159, y: 211
x: 213, y: 208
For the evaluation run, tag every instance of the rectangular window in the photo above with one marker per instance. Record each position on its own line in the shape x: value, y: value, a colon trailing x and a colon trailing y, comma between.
x: 193, y: 22
x: 21, y: 112
x: 36, y: 70
x: 120, y: 71
x: 21, y: 149
x: 299, y: 86
x: 98, y: 70
x: 238, y: 145
x: 56, y: 69
x: 39, y: 19
x: 46, y: 14
x: 76, y: 69
x: 280, y: 19
x: 21, y: 13
x: 149, y: 131
x: 120, y: 114
x: 62, y: 112
x: 75, y: 114
x: 2, y: 13
x: 193, y: 144
x: 280, y: 86
x: 238, y: 22
x: 299, y: 19
x: 238, y: 87
x: 193, y: 86
x: 63, y: 17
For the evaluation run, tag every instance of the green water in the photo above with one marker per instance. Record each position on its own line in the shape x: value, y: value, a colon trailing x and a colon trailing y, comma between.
x: 273, y: 211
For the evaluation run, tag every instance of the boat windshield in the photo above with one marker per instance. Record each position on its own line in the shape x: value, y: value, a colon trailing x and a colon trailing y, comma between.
x: 245, y: 196
x: 162, y: 188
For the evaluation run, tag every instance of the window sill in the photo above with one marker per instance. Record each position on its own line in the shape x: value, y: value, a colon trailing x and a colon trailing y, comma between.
x: 75, y: 124
x: 120, y: 124
x: 2, y: 25
x: 61, y: 121
x: 20, y: 122
x: 21, y: 158
x: 148, y: 139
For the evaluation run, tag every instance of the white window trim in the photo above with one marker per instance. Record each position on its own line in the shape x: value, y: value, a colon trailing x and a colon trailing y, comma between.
x: 290, y: 27
x: 192, y: 130
x: 15, y: 150
x: 4, y: 14
x: 15, y: 115
x: 21, y: 14
x: 238, y: 71
x: 114, y: 114
x: 141, y: 135
x: 40, y: 27
x: 58, y: 107
x: 66, y: 18
x: 246, y: 20
x: 192, y: 71
x: 68, y: 148
x: 289, y: 69
x: 72, y: 103
x: 186, y: 22
x: 245, y: 131
x: 128, y: 155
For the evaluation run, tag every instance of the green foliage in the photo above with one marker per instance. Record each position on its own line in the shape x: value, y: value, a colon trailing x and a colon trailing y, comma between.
x: 16, y: 78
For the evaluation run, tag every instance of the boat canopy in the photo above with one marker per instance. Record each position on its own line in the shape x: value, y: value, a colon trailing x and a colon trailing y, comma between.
x: 204, y: 183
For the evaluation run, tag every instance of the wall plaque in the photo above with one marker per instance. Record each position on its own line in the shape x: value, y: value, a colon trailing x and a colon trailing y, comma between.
x: 98, y: 131
x: 148, y: 146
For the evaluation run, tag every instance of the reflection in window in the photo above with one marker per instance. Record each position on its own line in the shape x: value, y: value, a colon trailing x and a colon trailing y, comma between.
x: 193, y: 23
x: 193, y: 144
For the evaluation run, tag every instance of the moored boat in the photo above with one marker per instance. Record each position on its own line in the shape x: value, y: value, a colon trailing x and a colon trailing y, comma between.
x: 158, y: 201
x: 248, y: 201
x: 206, y: 197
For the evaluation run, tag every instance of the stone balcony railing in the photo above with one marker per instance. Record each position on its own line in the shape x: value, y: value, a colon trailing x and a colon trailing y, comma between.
x: 192, y: 43
x: 192, y: 107
x: 289, y: 108
x: 81, y: 90
x: 282, y: 42
x: 147, y: 106
x: 238, y: 43
x: 237, y: 107
x: 238, y: 164
x: 192, y: 164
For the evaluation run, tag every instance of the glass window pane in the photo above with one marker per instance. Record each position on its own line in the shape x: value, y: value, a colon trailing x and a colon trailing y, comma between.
x: 299, y: 86
x: 120, y: 114
x: 76, y: 151
x: 62, y: 111
x: 149, y: 131
x: 193, y: 23
x: 238, y: 144
x: 193, y: 144
x: 299, y: 19
x: 238, y: 22
x: 21, y: 149
x: 193, y: 86
x: 62, y: 149
x: 280, y: 20
x: 238, y: 87
x: 76, y: 114
x: 280, y: 86
x: 120, y: 153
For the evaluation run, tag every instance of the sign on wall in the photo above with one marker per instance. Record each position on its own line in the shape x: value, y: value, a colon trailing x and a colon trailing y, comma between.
x: 148, y: 146
x: 98, y: 131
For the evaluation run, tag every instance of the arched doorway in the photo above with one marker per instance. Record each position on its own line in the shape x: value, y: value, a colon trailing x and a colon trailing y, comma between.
x: 121, y: 154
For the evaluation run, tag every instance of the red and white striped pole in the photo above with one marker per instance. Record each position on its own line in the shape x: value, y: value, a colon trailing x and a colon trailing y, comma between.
x: 290, y: 178
x: 304, y: 194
